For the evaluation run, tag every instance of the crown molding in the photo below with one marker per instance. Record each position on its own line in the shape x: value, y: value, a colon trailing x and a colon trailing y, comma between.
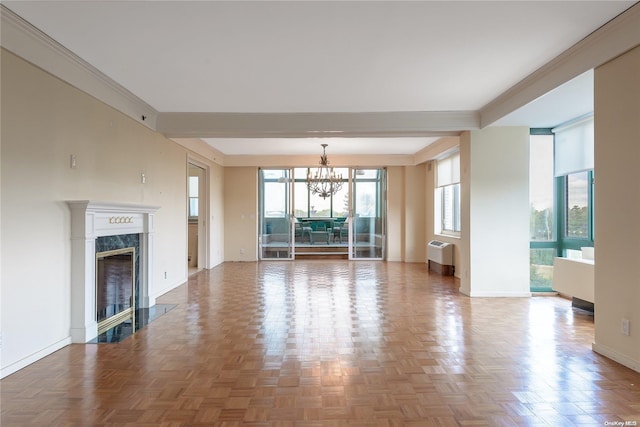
x: 614, y: 38
x: 316, y: 125
x: 201, y: 148
x: 34, y: 46
x: 433, y: 151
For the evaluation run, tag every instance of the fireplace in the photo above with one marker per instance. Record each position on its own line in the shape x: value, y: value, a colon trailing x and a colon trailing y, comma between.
x: 115, y: 287
x: 121, y: 234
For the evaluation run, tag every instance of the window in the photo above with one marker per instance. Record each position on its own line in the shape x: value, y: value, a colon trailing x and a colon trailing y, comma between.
x: 451, y: 208
x: 447, y: 195
x: 574, y: 171
x: 577, y: 205
x: 541, y: 188
x: 340, y: 203
x: 275, y: 205
x: 193, y: 197
x: 301, y: 199
x: 308, y: 205
x: 561, y: 196
x: 542, y: 220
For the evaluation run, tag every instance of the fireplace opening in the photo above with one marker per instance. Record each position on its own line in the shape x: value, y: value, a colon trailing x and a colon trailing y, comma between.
x: 115, y: 287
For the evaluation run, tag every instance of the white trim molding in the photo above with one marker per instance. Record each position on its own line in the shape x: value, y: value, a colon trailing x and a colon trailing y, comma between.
x: 90, y: 220
x: 36, y: 47
x: 34, y: 357
x: 497, y: 294
x: 616, y: 356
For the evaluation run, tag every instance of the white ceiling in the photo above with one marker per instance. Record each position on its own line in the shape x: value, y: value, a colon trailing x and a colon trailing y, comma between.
x: 568, y: 101
x: 326, y: 56
x: 302, y: 146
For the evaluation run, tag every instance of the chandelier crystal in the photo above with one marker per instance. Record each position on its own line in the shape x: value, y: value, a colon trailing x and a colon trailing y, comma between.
x: 324, y: 181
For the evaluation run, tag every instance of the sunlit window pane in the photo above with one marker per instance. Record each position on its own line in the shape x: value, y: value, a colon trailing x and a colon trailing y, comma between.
x: 319, y: 207
x: 275, y: 202
x: 301, y: 201
x: 193, y: 196
x: 193, y: 206
x: 341, y: 202
x: 193, y: 186
x: 270, y: 174
x: 364, y: 173
x: 541, y: 188
x: 450, y: 199
x: 577, y: 210
x: 366, y: 199
x: 541, y: 268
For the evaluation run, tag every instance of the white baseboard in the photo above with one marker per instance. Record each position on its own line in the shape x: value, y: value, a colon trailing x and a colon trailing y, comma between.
x: 500, y: 294
x: 23, y: 363
x: 156, y: 295
x: 618, y: 357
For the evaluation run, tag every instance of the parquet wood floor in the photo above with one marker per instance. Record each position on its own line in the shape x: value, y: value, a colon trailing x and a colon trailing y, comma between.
x: 332, y: 343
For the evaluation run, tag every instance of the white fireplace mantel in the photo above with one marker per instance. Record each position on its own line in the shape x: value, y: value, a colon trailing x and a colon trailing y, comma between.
x: 92, y: 219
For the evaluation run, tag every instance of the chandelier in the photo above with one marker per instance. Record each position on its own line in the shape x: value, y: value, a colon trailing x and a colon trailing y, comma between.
x: 324, y: 181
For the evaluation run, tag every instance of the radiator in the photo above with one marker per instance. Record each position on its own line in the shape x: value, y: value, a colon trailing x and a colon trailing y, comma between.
x: 440, y: 256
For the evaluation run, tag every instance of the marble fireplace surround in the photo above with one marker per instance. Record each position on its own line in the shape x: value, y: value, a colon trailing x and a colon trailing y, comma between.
x: 90, y: 220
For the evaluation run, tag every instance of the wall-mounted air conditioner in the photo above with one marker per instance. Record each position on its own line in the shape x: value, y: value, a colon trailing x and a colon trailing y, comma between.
x: 440, y: 257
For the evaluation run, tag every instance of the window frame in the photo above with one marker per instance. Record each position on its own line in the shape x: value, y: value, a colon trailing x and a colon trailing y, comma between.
x: 190, y: 198
x: 440, y: 206
x: 566, y: 242
x: 455, y: 210
x: 562, y: 242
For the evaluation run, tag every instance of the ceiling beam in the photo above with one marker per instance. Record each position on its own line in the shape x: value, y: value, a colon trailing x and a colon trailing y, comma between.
x: 317, y: 125
x: 609, y: 41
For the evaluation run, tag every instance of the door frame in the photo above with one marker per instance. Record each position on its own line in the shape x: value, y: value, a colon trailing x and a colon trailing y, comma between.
x: 352, y: 212
x: 288, y: 213
x: 204, y: 209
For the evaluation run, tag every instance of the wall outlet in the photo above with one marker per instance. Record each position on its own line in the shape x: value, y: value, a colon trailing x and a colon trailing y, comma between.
x: 165, y: 275
x: 242, y: 251
x: 625, y: 327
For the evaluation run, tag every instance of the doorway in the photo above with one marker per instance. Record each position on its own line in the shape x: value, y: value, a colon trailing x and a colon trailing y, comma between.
x: 296, y: 223
x: 368, y: 238
x: 197, y: 204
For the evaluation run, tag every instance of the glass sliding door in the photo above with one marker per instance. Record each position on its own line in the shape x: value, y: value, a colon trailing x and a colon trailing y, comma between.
x: 367, y: 223
x: 275, y: 240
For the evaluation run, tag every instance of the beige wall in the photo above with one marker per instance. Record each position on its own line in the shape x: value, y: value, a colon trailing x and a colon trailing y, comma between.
x: 414, y: 214
x: 463, y: 270
x: 216, y: 215
x: 406, y: 201
x: 44, y: 122
x: 395, y: 213
x: 495, y: 165
x: 241, y: 214
x: 617, y: 208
